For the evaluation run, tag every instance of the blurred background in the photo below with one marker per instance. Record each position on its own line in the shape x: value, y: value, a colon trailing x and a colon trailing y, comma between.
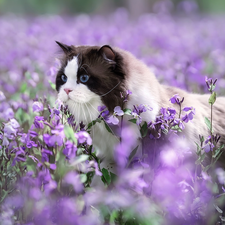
x: 178, y: 39
x: 104, y: 7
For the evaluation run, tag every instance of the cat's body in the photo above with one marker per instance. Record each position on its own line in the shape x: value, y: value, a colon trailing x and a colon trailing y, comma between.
x: 97, y: 75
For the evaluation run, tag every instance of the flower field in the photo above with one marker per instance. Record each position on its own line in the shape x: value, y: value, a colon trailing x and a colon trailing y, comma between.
x: 46, y: 160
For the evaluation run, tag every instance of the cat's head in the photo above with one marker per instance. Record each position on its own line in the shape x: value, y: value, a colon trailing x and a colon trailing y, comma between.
x: 90, y: 76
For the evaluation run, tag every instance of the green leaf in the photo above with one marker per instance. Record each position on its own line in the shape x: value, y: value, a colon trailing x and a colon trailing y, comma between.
x: 127, y: 111
x: 28, y: 75
x: 212, y: 98
x: 215, y: 188
x: 31, y: 165
x: 165, y: 131
x: 98, y: 120
x: 83, y: 178
x: 144, y: 130
x: 202, y: 139
x: 200, y: 159
x: 108, y: 128
x: 208, y: 123
x: 113, y: 177
x: 133, y: 121
x: 4, y: 194
x: 176, y: 127
x: 131, y: 156
x: 213, y: 87
x: 198, y: 149
x: 113, y: 217
x: 23, y: 87
x: 70, y: 133
x: 207, y: 167
x: 81, y: 158
x: 52, y: 85
x: 106, y: 175
x: 218, y: 150
x: 22, y: 116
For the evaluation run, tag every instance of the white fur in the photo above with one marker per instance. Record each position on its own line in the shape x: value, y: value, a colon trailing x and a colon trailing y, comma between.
x: 83, y: 104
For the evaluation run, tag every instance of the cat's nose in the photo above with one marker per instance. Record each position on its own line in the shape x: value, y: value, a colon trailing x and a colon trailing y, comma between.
x: 67, y: 90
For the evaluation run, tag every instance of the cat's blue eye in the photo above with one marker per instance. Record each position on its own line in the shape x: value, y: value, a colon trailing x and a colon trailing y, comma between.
x: 84, y: 78
x: 64, y: 78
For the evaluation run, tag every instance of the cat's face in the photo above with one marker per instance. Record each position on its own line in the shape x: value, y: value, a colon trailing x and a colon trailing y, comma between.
x: 90, y: 76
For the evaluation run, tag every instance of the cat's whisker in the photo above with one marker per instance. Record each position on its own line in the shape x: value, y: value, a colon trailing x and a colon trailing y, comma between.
x: 78, y: 114
x: 86, y: 121
x: 93, y: 128
x: 110, y: 90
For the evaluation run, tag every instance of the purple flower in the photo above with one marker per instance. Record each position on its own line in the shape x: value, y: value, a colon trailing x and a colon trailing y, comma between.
x: 101, y: 108
x: 180, y: 123
x: 31, y: 144
x: 57, y: 136
x: 33, y: 133
x: 11, y: 128
x: 168, y: 114
x: 172, y: 111
x: 95, y: 165
x: 50, y: 186
x: 8, y: 114
x: 209, y: 145
x: 82, y: 137
x: 25, y: 138
x: 52, y: 166
x: 188, y: 116
x: 71, y: 120
x: 220, y: 175
x: 70, y: 150
x: 20, y: 156
x: 37, y: 107
x: 2, y: 96
x: 5, y: 141
x: 176, y: 99
x: 113, y: 120
x: 125, y: 147
x: 45, y: 155
x: 74, y: 179
x: 141, y: 108
x: 186, y: 109
x: 165, y: 113
x: 46, y: 138
x: 208, y: 80
x: 211, y: 84
x: 105, y: 114
x: 129, y: 92
x: 118, y: 111
x: 125, y: 98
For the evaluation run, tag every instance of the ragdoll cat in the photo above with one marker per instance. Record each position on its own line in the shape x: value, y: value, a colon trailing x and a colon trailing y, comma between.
x: 91, y: 76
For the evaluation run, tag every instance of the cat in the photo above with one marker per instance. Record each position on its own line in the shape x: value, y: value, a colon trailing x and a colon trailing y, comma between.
x: 91, y: 76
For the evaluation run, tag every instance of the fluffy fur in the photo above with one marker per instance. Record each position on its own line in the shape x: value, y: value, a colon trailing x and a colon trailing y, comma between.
x: 111, y: 71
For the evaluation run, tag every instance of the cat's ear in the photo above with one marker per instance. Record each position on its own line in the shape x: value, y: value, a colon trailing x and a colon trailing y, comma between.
x: 67, y: 49
x: 108, y: 54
